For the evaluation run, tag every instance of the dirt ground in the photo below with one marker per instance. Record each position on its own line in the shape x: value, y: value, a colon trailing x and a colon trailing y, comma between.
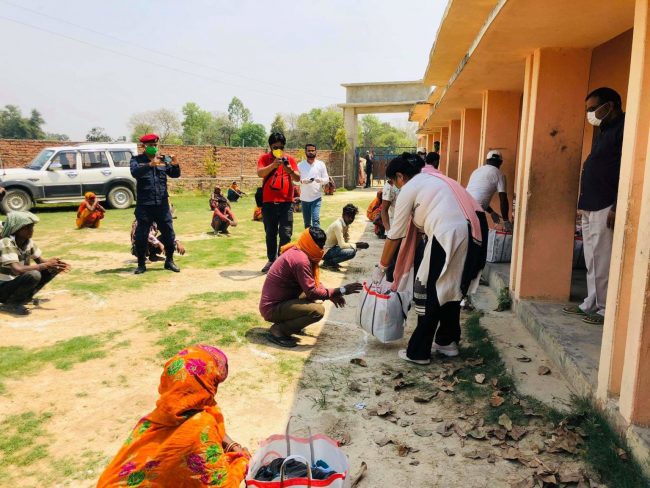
x: 95, y: 403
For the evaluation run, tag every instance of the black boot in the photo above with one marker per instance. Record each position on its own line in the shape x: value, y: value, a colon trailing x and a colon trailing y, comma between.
x: 171, y: 266
x: 141, y: 266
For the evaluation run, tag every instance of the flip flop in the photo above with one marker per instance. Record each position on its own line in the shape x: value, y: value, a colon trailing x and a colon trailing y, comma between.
x: 573, y: 310
x: 281, y: 341
x: 594, y: 319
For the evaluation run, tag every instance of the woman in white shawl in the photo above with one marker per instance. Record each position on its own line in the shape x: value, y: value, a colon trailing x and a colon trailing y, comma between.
x: 436, y: 215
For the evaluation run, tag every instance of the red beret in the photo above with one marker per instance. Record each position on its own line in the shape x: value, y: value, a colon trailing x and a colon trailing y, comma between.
x: 149, y: 138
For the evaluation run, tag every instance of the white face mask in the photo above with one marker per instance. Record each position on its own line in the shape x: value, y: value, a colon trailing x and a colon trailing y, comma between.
x: 593, y: 120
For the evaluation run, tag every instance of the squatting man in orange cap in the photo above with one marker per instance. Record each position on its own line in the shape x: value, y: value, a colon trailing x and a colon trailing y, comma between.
x: 151, y: 169
x: 293, y: 285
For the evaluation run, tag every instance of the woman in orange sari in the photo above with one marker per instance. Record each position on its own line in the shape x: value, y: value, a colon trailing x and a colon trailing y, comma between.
x: 90, y: 212
x: 183, y: 442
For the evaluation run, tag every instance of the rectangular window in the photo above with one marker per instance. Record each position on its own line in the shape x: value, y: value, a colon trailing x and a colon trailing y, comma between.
x: 121, y: 158
x: 68, y: 160
x: 94, y: 159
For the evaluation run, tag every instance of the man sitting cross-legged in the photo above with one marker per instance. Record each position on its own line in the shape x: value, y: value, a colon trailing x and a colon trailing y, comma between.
x: 293, y: 285
x: 19, y: 279
x: 338, y: 237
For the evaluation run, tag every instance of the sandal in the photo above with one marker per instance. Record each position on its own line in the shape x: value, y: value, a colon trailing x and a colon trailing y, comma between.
x: 573, y: 310
x: 594, y: 319
x: 282, y: 341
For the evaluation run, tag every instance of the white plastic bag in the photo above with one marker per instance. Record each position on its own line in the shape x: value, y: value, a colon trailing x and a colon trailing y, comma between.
x: 382, y: 312
x: 304, y: 449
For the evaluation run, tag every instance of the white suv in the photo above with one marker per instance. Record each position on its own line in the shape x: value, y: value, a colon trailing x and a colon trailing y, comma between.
x: 65, y: 173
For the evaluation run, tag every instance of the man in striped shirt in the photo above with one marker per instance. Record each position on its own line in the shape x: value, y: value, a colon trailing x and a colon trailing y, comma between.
x: 20, y: 280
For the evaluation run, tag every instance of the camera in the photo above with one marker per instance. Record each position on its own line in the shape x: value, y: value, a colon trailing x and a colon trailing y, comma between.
x: 285, y: 161
x: 165, y: 159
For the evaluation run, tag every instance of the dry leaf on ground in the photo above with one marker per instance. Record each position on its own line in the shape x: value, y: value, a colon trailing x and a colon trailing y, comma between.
x: 523, y: 359
x: 496, y: 400
x: 425, y: 398
x: 359, y: 362
x: 543, y: 370
x: 505, y: 421
x: 359, y: 475
x: 445, y: 429
x: 517, y: 432
x: 479, y: 378
x: 448, y: 452
x: 422, y: 432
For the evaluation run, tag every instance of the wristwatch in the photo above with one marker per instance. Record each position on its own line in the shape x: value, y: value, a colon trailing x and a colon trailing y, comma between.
x: 342, y: 290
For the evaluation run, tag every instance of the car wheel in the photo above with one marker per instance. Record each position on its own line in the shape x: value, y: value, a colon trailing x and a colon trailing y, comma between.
x: 16, y: 200
x: 120, y: 197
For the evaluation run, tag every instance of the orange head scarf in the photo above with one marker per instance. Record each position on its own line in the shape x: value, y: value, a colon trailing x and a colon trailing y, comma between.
x: 307, y: 245
x: 89, y: 195
x: 180, y: 443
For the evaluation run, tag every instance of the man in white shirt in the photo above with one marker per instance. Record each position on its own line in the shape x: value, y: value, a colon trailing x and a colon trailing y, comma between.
x: 313, y: 176
x: 485, y: 182
x: 339, y: 247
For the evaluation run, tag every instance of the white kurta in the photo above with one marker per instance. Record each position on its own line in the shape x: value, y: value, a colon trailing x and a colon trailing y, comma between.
x: 434, y: 209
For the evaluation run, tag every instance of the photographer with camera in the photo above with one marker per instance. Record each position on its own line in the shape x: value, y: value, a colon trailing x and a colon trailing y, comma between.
x: 151, y: 170
x: 279, y: 172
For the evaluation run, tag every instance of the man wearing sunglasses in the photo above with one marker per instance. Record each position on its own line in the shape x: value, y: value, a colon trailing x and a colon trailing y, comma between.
x: 597, y: 201
x: 279, y: 172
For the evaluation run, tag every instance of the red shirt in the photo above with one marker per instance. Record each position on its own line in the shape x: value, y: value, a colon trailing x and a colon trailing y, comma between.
x: 289, y: 276
x: 277, y: 186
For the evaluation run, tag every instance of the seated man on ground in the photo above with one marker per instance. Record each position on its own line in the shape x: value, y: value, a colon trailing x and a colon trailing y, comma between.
x: 20, y: 280
x: 234, y: 193
x: 155, y: 249
x: 222, y: 218
x: 338, y: 237
x: 90, y: 212
x: 293, y: 285
x: 183, y: 441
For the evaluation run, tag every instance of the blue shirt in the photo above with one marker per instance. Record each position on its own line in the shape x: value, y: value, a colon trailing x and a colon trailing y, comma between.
x: 152, y: 181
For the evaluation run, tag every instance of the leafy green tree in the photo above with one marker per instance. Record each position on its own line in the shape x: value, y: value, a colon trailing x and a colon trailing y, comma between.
x: 318, y: 126
x: 14, y: 126
x: 220, y: 130
x: 375, y: 133
x: 250, y: 135
x: 97, y: 134
x: 279, y: 125
x: 52, y: 136
x: 340, y: 140
x: 195, y: 123
x: 238, y: 113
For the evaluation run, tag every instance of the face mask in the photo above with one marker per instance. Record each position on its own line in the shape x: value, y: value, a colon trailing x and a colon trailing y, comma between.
x: 151, y: 150
x: 277, y: 153
x: 593, y: 120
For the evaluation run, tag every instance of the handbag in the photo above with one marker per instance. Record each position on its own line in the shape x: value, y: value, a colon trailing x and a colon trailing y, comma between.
x: 311, y: 451
x: 382, y: 312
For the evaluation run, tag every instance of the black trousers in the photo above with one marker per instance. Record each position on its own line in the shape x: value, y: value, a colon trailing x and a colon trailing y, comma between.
x: 368, y: 176
x: 441, y: 323
x: 22, y: 288
x: 162, y: 216
x: 278, y: 219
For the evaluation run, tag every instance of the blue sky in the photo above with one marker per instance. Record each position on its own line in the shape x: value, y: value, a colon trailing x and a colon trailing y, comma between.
x: 89, y: 63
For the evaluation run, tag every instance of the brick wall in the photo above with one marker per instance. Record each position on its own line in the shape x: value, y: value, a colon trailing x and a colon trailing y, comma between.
x: 203, y: 166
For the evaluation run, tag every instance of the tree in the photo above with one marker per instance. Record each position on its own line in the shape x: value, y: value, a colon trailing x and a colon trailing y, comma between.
x: 238, y: 113
x: 251, y: 134
x: 318, y: 126
x: 164, y: 122
x: 97, y: 134
x: 220, y: 130
x: 14, y: 126
x: 279, y: 125
x: 195, y: 124
x: 52, y: 136
x: 375, y: 133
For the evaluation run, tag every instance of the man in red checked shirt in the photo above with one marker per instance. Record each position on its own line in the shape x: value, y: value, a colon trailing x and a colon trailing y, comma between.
x: 279, y: 172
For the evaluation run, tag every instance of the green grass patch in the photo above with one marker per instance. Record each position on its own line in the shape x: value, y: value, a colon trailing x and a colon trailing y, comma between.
x: 17, y: 361
x: 202, y: 318
x: 602, y: 445
x: 23, y: 440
